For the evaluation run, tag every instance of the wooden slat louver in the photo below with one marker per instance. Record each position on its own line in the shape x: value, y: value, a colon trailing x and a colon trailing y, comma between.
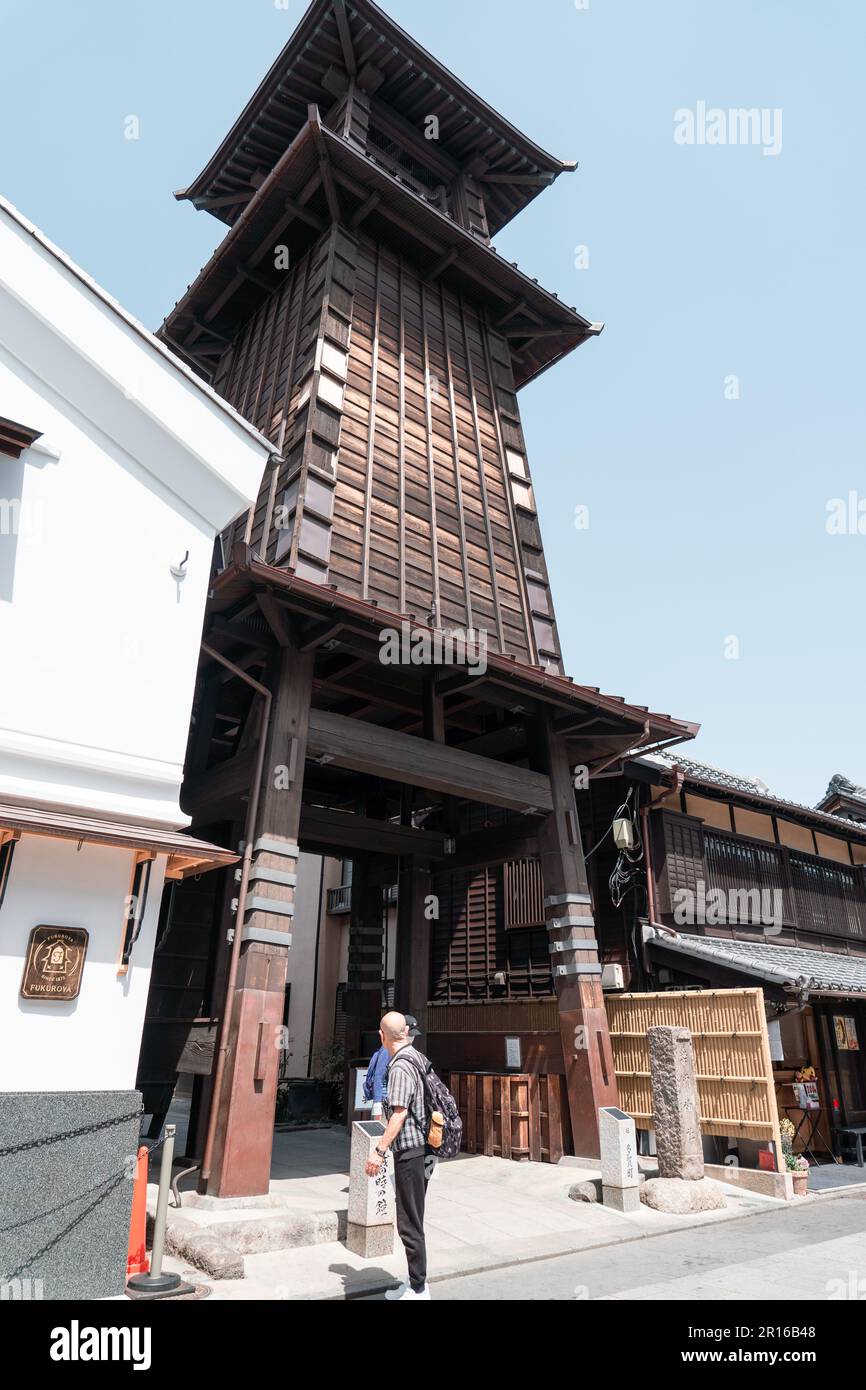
x: 828, y: 896
x: 523, y: 894
x: 751, y: 876
x: 679, y: 852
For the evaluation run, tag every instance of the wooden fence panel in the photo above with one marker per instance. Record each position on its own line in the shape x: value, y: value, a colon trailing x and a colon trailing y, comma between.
x: 515, y: 1115
x: 734, y: 1072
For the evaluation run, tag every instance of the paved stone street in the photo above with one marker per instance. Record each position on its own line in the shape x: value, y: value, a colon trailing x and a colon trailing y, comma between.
x: 508, y: 1231
x: 811, y: 1253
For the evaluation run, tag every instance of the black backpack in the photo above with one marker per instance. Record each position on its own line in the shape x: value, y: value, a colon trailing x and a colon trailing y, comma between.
x: 438, y: 1097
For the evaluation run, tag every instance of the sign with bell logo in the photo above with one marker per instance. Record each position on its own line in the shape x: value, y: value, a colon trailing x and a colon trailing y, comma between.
x: 54, y: 962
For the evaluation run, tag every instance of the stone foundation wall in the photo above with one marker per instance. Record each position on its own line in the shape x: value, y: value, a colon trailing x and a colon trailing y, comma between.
x: 65, y: 1206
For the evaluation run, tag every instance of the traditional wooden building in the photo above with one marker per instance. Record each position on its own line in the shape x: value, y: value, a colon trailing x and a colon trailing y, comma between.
x: 381, y: 672
x: 730, y: 886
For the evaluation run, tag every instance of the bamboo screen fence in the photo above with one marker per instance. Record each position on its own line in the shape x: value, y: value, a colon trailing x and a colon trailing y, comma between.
x: 732, y: 1057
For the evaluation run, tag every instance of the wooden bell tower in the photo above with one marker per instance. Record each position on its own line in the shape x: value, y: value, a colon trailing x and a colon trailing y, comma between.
x: 358, y: 314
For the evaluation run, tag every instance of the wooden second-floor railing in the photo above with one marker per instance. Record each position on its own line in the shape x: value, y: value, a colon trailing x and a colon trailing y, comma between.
x: 734, y: 865
x: 804, y: 893
x: 829, y: 897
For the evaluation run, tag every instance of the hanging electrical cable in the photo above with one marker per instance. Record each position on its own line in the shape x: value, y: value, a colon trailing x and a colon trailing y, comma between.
x: 627, y: 872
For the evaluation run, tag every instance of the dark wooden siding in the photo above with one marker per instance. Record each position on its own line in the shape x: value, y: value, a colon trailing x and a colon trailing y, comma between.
x: 394, y: 395
x: 679, y: 850
x: 471, y: 947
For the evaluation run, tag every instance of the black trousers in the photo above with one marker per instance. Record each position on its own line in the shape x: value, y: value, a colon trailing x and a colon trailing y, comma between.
x: 410, y: 1183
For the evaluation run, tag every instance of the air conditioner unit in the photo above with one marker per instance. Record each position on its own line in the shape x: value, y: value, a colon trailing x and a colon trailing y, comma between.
x: 612, y: 977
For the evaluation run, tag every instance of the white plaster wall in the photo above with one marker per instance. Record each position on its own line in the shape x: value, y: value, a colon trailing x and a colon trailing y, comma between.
x: 99, y: 642
x: 95, y: 700
x: 90, y: 1043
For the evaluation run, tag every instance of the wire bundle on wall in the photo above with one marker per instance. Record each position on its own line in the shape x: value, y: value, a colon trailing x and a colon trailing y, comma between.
x: 627, y: 872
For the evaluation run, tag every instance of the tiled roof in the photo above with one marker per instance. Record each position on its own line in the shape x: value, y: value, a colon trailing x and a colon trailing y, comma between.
x: 719, y: 776
x: 841, y: 786
x: 817, y: 971
x: 708, y: 775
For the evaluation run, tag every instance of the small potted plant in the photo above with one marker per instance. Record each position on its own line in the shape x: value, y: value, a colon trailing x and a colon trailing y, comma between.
x: 800, y: 1174
x: 796, y: 1164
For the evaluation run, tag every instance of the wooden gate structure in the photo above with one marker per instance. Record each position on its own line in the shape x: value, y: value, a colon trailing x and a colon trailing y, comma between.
x: 515, y: 1115
x: 734, y: 1072
x: 358, y: 314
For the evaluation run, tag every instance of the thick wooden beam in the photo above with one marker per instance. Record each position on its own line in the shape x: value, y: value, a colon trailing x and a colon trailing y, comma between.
x: 225, y: 200
x: 341, y: 833
x: 253, y: 275
x: 496, y: 844
x: 305, y: 214
x: 345, y: 36
x: 277, y: 617
x: 326, y: 173
x: 530, y: 180
x: 363, y: 212
x: 201, y: 796
x: 420, y: 762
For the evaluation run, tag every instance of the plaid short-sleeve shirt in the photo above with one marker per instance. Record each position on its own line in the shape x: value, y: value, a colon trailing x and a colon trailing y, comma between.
x: 405, y: 1088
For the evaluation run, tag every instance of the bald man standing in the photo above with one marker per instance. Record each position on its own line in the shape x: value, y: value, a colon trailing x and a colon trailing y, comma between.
x: 406, y: 1134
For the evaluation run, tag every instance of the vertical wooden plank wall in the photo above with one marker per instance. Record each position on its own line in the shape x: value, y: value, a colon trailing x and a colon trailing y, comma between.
x: 391, y: 398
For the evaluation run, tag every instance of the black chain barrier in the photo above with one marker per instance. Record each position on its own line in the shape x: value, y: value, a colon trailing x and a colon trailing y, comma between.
x: 110, y: 1184
x: 69, y: 1134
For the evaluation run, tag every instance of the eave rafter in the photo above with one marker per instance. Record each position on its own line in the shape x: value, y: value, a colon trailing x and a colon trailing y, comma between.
x: 15, y: 438
x: 339, y: 8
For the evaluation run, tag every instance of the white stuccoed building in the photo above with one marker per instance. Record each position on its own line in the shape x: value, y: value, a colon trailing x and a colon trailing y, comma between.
x: 118, y: 468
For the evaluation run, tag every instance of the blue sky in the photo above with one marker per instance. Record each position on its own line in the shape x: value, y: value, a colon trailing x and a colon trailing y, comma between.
x: 707, y: 515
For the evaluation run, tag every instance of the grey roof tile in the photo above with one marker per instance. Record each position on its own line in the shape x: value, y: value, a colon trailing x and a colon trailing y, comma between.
x: 747, y: 786
x: 784, y: 964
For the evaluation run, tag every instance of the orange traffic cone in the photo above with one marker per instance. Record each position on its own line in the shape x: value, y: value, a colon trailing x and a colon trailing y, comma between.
x: 136, y: 1260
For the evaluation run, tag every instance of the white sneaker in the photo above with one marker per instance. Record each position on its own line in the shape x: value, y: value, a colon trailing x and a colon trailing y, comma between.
x: 404, y: 1293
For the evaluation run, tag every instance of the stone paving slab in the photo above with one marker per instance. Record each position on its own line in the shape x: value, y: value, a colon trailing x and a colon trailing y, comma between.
x: 772, y: 1279
x: 329, y: 1271
x: 481, y: 1213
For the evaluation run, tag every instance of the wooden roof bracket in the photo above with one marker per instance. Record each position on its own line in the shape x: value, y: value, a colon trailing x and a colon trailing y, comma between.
x: 339, y: 8
x: 328, y: 181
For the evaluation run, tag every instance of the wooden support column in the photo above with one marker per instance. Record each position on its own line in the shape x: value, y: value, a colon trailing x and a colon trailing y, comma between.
x: 242, y: 1154
x: 586, y: 1049
x: 412, y: 967
x: 363, y: 1001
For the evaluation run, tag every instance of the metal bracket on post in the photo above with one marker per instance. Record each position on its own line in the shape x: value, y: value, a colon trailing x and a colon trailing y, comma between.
x: 573, y: 943
x: 568, y: 923
x: 560, y: 899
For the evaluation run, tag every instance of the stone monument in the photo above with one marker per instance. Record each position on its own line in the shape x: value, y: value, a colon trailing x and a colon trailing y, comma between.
x: 680, y: 1186
x: 370, y: 1230
x: 620, y: 1176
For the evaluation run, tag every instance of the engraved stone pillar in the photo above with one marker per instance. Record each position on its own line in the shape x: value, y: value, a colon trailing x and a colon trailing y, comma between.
x: 675, y: 1103
x: 370, y: 1231
x: 620, y: 1176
